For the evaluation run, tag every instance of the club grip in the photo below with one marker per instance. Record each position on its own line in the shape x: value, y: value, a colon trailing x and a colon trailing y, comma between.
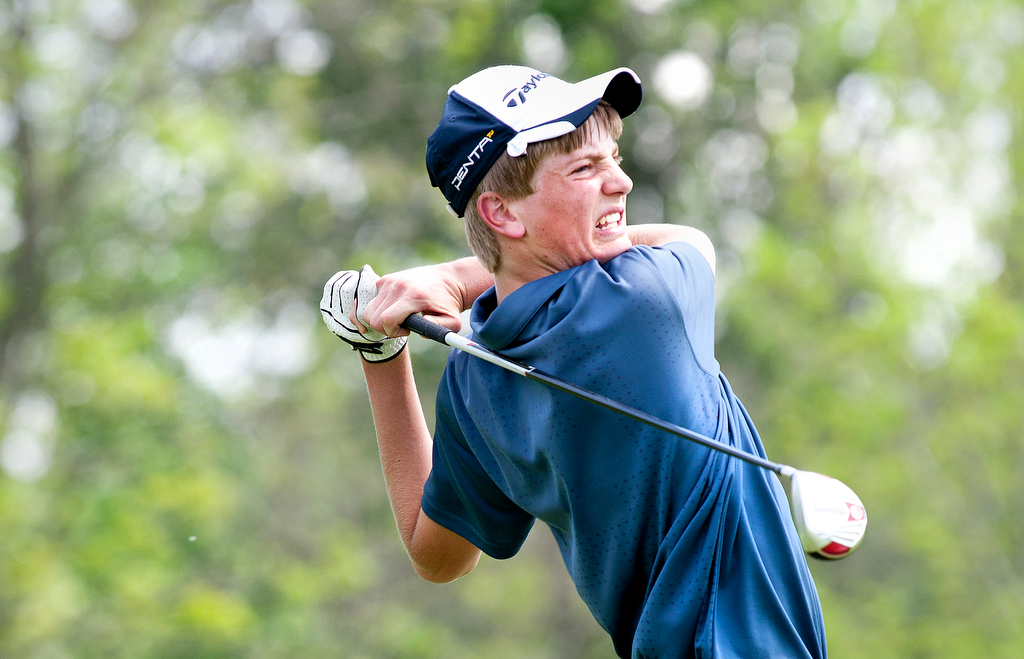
x: 420, y: 325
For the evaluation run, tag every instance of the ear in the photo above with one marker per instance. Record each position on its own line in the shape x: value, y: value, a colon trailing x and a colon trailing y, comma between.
x: 495, y: 211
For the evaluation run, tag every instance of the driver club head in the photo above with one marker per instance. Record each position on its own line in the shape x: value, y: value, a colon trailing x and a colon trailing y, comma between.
x: 830, y: 518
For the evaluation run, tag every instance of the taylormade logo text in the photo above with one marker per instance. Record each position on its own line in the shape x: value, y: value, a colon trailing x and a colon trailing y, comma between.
x: 522, y: 91
x: 474, y: 158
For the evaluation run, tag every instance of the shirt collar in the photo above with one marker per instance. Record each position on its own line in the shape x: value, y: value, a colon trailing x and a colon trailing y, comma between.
x: 498, y: 325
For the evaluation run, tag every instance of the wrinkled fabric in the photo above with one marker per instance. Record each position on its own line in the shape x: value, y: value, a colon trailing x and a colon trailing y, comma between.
x: 678, y: 550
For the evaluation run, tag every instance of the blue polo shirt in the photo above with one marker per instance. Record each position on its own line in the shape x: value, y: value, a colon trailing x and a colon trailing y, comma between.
x: 678, y: 550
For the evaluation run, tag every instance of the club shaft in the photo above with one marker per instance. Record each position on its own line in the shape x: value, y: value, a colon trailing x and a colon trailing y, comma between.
x: 425, y: 328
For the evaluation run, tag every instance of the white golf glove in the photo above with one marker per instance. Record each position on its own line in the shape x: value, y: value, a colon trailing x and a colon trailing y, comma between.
x: 350, y: 288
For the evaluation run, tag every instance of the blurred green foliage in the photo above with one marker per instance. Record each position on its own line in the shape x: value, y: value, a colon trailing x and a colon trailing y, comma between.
x: 187, y: 462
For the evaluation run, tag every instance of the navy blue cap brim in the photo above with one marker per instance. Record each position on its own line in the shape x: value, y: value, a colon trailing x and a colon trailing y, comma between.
x: 624, y: 94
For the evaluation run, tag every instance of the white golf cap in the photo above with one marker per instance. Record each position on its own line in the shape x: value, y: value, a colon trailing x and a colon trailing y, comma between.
x: 512, y: 107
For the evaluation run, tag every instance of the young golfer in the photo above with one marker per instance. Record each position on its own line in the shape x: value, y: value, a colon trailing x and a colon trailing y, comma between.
x: 679, y: 551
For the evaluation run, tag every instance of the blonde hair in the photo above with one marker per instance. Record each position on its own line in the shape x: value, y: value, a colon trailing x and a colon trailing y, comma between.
x: 512, y: 178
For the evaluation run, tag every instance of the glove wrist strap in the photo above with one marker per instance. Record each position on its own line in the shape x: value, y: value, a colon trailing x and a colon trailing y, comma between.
x: 385, y: 353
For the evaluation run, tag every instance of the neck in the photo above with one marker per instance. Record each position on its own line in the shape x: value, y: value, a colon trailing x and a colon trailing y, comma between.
x: 513, y: 274
x: 505, y: 285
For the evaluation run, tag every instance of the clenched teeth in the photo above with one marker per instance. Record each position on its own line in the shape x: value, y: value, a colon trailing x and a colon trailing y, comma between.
x: 609, y: 220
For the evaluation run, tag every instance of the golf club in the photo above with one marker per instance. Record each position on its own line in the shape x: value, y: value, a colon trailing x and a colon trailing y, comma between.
x: 829, y: 517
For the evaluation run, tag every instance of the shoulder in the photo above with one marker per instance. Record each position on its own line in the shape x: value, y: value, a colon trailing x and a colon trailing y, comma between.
x: 656, y: 235
x: 669, y: 262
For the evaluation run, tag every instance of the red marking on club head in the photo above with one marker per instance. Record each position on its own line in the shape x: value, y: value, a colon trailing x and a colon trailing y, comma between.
x: 856, y: 512
x: 834, y: 550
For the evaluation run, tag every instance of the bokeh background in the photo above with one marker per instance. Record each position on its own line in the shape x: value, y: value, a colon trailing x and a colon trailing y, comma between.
x: 187, y: 462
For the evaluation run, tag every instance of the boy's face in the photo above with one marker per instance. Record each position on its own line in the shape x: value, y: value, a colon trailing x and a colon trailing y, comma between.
x: 577, y: 211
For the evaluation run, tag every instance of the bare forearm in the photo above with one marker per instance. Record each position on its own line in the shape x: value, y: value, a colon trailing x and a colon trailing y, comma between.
x: 402, y: 437
x: 437, y: 554
x: 661, y: 234
x: 440, y: 292
x: 473, y: 277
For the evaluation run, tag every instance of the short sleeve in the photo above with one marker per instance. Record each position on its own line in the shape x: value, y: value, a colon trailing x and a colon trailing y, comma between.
x: 461, y: 496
